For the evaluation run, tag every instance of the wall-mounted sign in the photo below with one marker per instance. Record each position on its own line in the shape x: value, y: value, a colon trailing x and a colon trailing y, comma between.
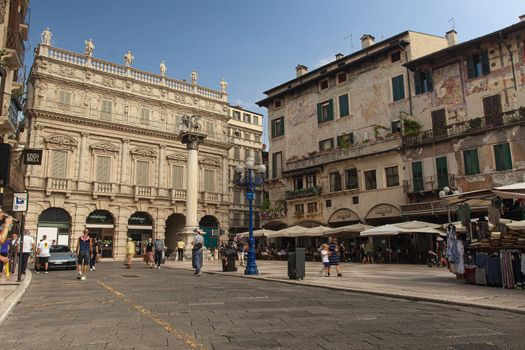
x: 32, y: 156
x: 140, y: 218
x: 100, y: 217
x: 383, y: 211
x: 20, y: 201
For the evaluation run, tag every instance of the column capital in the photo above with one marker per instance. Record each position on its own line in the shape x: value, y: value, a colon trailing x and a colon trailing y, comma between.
x: 192, y: 139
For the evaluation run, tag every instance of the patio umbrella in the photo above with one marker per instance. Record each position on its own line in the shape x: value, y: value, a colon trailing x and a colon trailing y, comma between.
x: 317, y: 231
x: 391, y: 230
x: 517, y: 225
x: 286, y: 232
x: 257, y: 233
x: 416, y: 224
x: 355, y: 228
x: 514, y: 191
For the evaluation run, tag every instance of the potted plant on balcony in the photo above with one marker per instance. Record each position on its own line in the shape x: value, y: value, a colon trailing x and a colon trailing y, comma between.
x: 411, y: 126
x: 475, y: 123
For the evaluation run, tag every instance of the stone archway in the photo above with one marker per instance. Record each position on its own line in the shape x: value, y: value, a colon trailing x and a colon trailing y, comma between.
x: 175, y: 223
x: 101, y: 225
x: 140, y: 229
x: 55, y: 223
x: 343, y: 216
x: 209, y: 225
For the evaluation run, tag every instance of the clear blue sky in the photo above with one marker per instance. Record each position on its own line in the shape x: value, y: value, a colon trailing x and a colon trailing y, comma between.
x: 253, y: 44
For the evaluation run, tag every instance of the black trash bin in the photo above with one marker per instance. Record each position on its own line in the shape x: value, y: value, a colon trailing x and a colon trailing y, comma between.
x: 228, y: 259
x: 296, y: 268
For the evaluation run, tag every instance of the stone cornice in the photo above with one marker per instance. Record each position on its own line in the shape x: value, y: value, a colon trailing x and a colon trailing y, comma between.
x: 69, y: 119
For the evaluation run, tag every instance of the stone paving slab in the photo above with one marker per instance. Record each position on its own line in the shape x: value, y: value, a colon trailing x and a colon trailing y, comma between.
x: 414, y: 282
x: 10, y: 293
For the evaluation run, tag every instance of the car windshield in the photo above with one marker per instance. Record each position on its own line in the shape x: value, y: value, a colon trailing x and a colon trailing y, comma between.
x: 59, y: 249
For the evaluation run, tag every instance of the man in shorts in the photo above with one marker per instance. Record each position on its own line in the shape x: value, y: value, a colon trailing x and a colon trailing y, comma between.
x: 130, y: 252
x: 42, y: 253
x: 84, y: 252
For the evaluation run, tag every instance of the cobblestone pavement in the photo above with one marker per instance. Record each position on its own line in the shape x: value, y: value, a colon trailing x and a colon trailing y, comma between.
x: 140, y: 308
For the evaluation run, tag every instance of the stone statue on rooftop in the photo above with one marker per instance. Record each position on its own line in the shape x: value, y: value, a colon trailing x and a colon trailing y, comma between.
x: 89, y: 48
x: 163, y: 68
x: 223, y: 85
x: 194, y: 77
x: 46, y: 36
x: 128, y: 59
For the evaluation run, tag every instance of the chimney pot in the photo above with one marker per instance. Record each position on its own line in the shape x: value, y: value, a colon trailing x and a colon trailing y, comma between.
x: 367, y: 40
x: 300, y: 70
x: 522, y: 18
x: 338, y: 56
x: 452, y: 37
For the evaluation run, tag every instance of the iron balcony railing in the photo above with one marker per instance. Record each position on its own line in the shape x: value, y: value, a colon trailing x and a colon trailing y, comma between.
x: 14, y: 41
x: 304, y: 192
x: 466, y: 127
x: 423, y: 208
x: 428, y: 183
x: 14, y: 109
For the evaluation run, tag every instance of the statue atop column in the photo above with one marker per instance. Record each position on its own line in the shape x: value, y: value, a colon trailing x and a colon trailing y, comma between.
x: 46, y: 36
x: 128, y: 59
x: 163, y: 68
x: 191, y: 123
x: 223, y: 85
x: 194, y: 77
x: 89, y: 48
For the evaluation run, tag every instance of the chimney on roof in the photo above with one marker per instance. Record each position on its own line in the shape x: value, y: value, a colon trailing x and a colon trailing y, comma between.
x: 338, y: 56
x: 300, y: 70
x: 522, y: 18
x: 367, y: 40
x: 452, y: 37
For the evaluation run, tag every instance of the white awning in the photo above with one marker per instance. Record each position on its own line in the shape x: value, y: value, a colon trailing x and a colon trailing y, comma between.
x: 99, y: 226
x: 140, y: 227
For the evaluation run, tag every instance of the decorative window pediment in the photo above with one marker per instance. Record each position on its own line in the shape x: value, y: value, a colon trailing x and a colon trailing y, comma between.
x: 177, y: 157
x: 62, y: 142
x: 104, y: 147
x: 212, y: 162
x: 143, y: 151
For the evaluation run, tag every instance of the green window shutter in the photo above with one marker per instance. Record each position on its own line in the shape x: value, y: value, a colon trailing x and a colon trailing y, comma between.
x: 471, y: 160
x: 331, y: 110
x: 273, y: 128
x: 417, y: 83
x: 282, y: 126
x: 351, y: 138
x: 319, y: 114
x: 398, y: 88
x: 429, y: 81
x: 344, y: 110
x: 471, y: 71
x: 339, y: 140
x: 417, y: 176
x: 485, y: 64
x: 503, y: 157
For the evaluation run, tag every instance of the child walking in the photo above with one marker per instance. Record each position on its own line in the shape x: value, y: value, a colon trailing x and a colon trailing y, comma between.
x: 325, y: 253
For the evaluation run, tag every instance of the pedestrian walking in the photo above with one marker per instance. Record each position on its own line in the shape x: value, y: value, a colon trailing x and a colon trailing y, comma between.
x: 13, y: 253
x: 42, y: 253
x: 334, y: 257
x: 6, y: 222
x: 198, y: 244
x: 240, y: 253
x: 84, y: 252
x: 180, y: 249
x: 159, y: 251
x: 369, y: 252
x: 149, y: 256
x: 130, y: 252
x: 325, y: 259
x: 28, y: 244
x: 4, y: 259
x: 94, y: 255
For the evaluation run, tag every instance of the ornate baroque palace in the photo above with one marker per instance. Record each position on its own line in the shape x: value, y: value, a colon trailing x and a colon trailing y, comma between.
x: 113, y: 160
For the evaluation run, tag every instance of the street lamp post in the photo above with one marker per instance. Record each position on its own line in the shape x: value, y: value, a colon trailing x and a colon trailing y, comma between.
x: 248, y: 181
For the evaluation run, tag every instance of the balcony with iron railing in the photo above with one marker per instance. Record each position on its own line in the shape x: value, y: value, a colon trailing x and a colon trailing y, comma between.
x: 432, y: 207
x: 15, y: 49
x: 471, y: 126
x: 428, y: 183
x: 303, y: 192
x: 357, y: 149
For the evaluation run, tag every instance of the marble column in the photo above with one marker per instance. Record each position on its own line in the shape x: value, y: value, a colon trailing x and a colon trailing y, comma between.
x: 192, y: 141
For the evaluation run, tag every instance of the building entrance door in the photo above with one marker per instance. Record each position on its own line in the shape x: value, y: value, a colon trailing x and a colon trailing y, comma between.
x: 140, y: 228
x: 100, y: 224
x: 139, y: 237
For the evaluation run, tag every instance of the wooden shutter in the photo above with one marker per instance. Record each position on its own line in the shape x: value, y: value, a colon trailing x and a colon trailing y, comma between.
x: 103, y: 169
x: 331, y: 110
x: 439, y: 122
x: 442, y: 172
x: 503, y: 157
x: 417, y: 176
x: 417, y: 83
x: 141, y: 173
x: 485, y: 63
x: 209, y: 180
x: 351, y: 179
x: 492, y: 105
x: 144, y: 116
x: 107, y: 107
x: 398, y: 88
x: 351, y: 138
x: 58, y: 165
x: 471, y: 69
x: 319, y: 113
x: 430, y: 83
x: 471, y: 161
x: 177, y: 177
x: 274, y: 133
x: 344, y: 109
